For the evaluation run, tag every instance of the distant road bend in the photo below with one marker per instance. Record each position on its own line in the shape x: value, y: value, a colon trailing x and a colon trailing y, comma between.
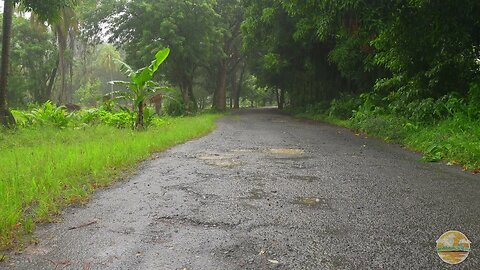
x: 267, y: 191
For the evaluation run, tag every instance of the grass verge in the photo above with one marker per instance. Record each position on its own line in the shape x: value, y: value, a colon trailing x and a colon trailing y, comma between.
x: 455, y: 139
x: 45, y: 169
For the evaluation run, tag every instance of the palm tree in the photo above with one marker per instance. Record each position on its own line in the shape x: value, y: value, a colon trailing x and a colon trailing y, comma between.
x: 46, y: 12
x: 107, y: 59
x: 6, y: 117
x: 65, y: 30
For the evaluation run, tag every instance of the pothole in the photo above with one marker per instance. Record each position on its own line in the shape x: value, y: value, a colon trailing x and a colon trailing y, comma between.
x: 256, y: 194
x: 287, y: 151
x: 282, y: 158
x: 312, y: 202
x: 306, y: 178
x: 242, y: 150
x: 220, y: 160
x: 228, y: 163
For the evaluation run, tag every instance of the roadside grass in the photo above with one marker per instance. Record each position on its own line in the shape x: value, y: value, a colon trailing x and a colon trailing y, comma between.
x: 44, y: 169
x: 455, y: 139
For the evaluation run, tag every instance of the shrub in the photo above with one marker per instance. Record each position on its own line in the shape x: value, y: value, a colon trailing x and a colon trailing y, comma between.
x: 344, y: 107
x: 174, y: 106
x: 47, y: 114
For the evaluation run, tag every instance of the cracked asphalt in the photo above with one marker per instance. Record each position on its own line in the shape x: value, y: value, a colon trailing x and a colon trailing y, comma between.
x: 267, y: 191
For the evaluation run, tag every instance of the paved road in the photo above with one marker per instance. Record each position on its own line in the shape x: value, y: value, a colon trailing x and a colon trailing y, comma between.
x: 266, y: 191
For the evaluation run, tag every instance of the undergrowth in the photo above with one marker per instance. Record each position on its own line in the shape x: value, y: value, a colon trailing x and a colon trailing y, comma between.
x: 55, y: 159
x: 446, y: 128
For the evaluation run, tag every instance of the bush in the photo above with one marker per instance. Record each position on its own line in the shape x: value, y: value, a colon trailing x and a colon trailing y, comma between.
x: 473, y: 102
x: 344, y: 107
x: 120, y: 119
x: 47, y: 114
x: 51, y: 115
x: 388, y: 127
x: 174, y: 107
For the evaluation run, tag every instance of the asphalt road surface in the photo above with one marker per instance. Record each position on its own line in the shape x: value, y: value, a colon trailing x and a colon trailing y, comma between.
x: 267, y: 191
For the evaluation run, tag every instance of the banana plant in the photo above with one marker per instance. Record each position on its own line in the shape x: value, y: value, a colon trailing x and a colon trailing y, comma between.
x: 141, y: 85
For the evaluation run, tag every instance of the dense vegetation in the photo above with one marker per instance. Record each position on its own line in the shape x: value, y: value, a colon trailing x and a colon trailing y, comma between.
x: 67, y: 51
x: 407, y: 71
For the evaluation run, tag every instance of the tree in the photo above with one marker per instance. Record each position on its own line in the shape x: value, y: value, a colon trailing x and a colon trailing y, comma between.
x: 32, y: 57
x: 228, y: 57
x: 66, y: 29
x: 107, y: 57
x: 47, y: 10
x: 141, y: 85
x: 6, y: 118
x: 186, y: 27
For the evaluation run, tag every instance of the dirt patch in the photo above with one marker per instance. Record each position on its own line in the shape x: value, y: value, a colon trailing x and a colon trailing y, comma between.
x: 312, y: 202
x: 287, y: 151
x: 243, y: 150
x: 225, y: 161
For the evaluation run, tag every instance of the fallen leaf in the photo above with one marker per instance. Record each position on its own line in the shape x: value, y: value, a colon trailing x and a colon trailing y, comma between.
x: 273, y: 261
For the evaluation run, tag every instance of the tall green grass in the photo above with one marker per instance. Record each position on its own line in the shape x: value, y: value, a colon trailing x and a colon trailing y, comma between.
x: 45, y: 168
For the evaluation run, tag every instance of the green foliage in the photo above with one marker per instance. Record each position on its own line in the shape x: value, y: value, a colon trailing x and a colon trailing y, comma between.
x: 45, y: 169
x: 141, y: 85
x: 50, y: 115
x: 174, y: 106
x: 89, y: 93
x: 193, y: 30
x: 419, y: 58
x: 48, y: 10
x: 455, y: 139
x: 473, y: 103
x: 123, y: 119
x: 343, y: 107
x: 46, y: 114
x: 32, y: 59
x: 447, y: 128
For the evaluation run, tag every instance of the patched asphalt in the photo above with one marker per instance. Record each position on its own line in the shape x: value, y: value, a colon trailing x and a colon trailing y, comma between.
x: 267, y: 191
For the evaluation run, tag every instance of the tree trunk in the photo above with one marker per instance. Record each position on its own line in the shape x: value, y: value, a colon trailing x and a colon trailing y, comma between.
x: 139, y: 123
x: 239, y: 88
x: 70, y: 90
x: 158, y: 108
x: 193, y: 101
x: 6, y: 117
x: 62, y: 44
x: 281, y: 99
x: 51, y: 83
x: 111, y: 85
x: 221, y: 101
x: 185, y: 96
x: 235, y: 88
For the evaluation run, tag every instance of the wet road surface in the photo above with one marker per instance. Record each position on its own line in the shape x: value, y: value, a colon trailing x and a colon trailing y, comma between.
x: 266, y: 191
